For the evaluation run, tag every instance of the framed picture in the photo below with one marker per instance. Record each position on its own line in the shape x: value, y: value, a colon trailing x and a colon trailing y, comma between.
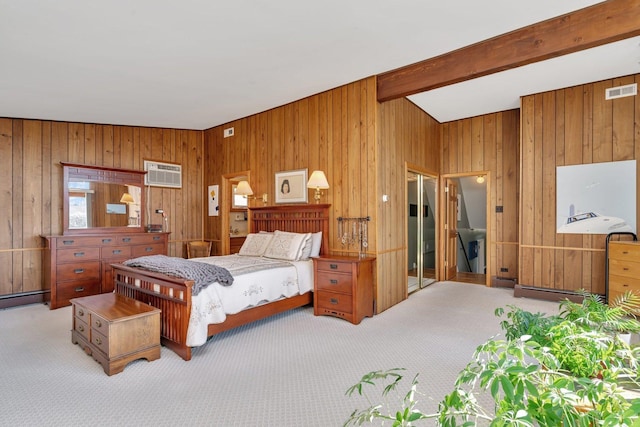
x: 291, y: 186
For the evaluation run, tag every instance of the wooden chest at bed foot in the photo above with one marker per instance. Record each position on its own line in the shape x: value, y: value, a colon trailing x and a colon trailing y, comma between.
x: 116, y: 330
x: 343, y: 287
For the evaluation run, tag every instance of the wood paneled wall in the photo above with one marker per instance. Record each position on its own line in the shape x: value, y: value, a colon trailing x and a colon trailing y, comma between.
x: 31, y: 176
x: 490, y: 143
x: 570, y: 126
x: 334, y: 131
x: 407, y: 137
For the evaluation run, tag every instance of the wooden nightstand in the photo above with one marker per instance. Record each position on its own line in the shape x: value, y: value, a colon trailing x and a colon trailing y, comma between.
x: 624, y: 269
x: 343, y: 287
x: 116, y: 330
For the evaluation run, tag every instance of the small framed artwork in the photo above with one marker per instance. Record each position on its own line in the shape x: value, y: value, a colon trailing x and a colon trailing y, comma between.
x: 291, y: 186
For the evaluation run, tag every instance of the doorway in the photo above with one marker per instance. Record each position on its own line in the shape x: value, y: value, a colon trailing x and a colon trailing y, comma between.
x: 421, y: 230
x: 465, y: 228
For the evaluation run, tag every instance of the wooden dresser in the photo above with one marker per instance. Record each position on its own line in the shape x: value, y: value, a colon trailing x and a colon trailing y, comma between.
x: 116, y: 330
x: 343, y: 287
x: 80, y: 265
x: 624, y: 268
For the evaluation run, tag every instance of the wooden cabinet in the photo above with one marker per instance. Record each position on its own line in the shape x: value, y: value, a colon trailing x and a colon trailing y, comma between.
x: 343, y: 287
x: 235, y: 243
x: 77, y: 266
x: 624, y: 269
x: 116, y: 330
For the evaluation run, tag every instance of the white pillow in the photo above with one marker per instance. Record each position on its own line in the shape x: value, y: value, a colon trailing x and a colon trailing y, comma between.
x: 255, y: 244
x: 286, y: 246
x: 316, y: 239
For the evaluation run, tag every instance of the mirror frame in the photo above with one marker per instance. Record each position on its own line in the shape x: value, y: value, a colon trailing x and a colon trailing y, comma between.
x: 105, y: 175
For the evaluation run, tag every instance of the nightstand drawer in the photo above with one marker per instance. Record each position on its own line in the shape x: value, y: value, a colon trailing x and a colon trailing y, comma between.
x: 621, y: 284
x: 332, y: 265
x: 625, y: 268
x: 334, y: 301
x: 329, y: 281
x: 627, y: 251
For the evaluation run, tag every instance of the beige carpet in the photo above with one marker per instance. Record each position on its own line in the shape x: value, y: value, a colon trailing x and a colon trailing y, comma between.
x: 289, y: 370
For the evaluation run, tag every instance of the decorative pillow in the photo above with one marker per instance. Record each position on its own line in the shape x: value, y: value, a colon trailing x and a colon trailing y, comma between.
x: 316, y: 239
x: 286, y: 246
x: 255, y: 244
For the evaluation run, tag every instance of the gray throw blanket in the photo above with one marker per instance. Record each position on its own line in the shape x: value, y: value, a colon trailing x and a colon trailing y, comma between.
x: 202, y: 274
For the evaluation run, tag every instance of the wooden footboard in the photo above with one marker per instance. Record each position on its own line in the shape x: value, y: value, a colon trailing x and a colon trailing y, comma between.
x: 172, y: 295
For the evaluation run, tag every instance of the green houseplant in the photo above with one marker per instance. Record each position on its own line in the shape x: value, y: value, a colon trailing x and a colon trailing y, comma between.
x: 568, y: 369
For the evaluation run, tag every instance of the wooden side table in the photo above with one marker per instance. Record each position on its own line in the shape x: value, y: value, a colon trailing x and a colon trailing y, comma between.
x: 343, y: 287
x: 116, y: 330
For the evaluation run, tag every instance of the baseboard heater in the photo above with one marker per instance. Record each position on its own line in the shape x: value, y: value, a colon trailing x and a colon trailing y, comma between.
x: 24, y: 298
x: 546, y: 294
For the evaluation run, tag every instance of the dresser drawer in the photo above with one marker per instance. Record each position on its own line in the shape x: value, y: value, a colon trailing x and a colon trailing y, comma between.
x: 625, y: 268
x: 624, y: 251
x: 149, y: 249
x: 100, y: 341
x: 331, y: 281
x: 81, y: 327
x: 76, y: 289
x: 78, y: 254
x: 78, y: 271
x: 331, y: 265
x: 140, y: 239
x: 116, y: 252
x: 334, y: 301
x: 79, y: 241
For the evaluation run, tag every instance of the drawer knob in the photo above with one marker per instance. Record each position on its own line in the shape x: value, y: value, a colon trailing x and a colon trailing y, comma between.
x: 625, y: 252
x: 156, y: 237
x: 79, y: 270
x: 126, y: 239
x: 98, y: 323
x: 80, y: 312
x: 80, y: 289
x: 116, y: 251
x: 68, y: 242
x: 81, y: 328
x: 98, y: 341
x: 333, y: 281
x: 106, y: 240
x: 333, y: 266
x: 333, y: 301
x: 148, y: 249
x: 625, y: 285
x: 78, y: 254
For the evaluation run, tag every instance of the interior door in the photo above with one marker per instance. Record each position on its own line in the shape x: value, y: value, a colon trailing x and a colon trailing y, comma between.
x: 451, y: 230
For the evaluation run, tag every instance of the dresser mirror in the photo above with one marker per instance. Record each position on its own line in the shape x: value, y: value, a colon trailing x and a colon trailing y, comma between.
x: 101, y: 199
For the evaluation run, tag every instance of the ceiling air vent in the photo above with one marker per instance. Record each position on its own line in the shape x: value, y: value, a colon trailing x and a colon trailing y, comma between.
x: 621, y: 91
x: 163, y: 174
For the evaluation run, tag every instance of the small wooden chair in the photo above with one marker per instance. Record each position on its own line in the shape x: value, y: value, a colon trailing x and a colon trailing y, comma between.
x: 198, y: 249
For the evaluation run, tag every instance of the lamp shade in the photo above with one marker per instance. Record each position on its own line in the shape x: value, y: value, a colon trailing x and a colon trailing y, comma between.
x: 318, y: 180
x: 244, y: 189
x: 126, y: 198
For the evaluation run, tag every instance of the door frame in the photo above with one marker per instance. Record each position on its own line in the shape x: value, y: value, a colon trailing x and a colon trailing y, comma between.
x: 489, y: 225
x: 225, y: 204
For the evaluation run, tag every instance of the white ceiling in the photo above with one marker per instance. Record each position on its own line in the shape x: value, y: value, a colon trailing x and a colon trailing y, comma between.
x: 195, y: 64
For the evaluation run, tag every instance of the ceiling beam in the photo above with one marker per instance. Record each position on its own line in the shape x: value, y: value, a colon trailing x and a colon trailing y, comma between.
x: 602, y: 23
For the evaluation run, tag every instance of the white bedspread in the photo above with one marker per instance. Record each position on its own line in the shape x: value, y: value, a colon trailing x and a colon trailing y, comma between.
x: 266, y: 284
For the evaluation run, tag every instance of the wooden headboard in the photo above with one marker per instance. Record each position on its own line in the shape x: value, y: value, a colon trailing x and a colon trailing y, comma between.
x: 309, y: 218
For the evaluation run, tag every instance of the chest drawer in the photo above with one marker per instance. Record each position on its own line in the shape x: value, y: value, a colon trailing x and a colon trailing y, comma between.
x: 99, y: 324
x: 79, y: 271
x: 624, y: 267
x: 79, y: 241
x: 332, y: 265
x: 148, y: 249
x: 116, y: 252
x: 78, y: 254
x: 624, y: 251
x: 81, y: 327
x: 336, y: 282
x: 334, y: 301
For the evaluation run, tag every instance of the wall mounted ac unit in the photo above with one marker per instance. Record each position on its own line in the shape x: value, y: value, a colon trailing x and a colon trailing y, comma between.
x: 162, y: 174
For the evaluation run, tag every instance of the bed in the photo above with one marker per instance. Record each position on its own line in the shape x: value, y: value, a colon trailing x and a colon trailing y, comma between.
x: 174, y: 295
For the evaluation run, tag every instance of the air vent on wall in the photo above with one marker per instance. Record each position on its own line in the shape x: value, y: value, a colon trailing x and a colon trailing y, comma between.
x: 621, y: 91
x: 162, y: 174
